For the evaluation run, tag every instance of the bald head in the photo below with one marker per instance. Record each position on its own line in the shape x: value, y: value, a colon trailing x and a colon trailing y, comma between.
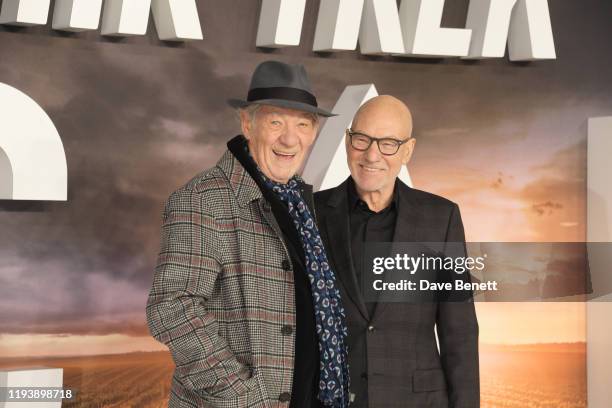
x: 386, y: 113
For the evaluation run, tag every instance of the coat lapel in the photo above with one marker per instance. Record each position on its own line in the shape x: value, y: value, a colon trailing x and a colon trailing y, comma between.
x: 244, y: 187
x: 337, y: 227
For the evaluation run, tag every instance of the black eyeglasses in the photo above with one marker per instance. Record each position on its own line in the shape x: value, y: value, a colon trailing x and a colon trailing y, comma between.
x: 386, y: 145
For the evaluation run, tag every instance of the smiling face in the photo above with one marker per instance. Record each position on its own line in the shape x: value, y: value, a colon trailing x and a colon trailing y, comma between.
x: 279, y: 139
x: 373, y: 172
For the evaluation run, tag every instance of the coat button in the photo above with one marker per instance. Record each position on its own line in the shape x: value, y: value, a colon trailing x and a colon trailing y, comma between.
x: 286, y: 330
x: 364, y: 376
x: 284, y: 397
x: 286, y: 265
x: 371, y: 328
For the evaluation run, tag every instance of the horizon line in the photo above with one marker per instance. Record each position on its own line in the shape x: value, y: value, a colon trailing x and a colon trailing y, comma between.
x: 538, y: 344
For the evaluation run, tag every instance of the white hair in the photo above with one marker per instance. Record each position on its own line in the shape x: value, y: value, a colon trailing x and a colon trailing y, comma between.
x: 251, y: 111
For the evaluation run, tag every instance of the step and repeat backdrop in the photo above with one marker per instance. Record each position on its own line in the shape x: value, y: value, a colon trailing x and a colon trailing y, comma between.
x: 106, y: 109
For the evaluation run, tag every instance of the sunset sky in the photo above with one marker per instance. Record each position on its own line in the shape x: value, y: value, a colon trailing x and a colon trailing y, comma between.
x: 138, y: 118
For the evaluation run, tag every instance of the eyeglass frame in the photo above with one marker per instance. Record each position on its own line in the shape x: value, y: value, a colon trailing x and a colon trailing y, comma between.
x: 350, y: 132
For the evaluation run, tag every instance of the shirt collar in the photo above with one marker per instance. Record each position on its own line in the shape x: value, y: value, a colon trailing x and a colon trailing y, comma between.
x: 356, y: 202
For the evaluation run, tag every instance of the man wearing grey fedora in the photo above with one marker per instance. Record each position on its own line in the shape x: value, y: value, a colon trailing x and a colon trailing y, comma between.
x: 243, y: 294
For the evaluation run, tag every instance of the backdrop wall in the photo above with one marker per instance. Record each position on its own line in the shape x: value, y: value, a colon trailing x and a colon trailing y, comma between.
x: 138, y: 117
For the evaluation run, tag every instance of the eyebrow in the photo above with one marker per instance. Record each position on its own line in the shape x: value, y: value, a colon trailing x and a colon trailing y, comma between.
x: 302, y: 115
x: 376, y: 137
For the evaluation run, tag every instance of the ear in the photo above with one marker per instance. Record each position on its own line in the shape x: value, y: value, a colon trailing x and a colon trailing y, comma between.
x: 408, y: 149
x: 245, y: 124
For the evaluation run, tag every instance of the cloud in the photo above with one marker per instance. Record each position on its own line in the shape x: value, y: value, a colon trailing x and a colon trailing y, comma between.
x: 138, y: 118
x: 557, y: 195
x: 135, y: 126
x: 37, y: 296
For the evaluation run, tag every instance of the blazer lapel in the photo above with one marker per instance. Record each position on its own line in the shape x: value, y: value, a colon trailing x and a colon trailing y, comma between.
x: 337, y: 226
x: 407, y: 219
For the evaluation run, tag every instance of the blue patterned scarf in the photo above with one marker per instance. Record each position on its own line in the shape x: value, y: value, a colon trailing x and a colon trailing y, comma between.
x: 329, y: 312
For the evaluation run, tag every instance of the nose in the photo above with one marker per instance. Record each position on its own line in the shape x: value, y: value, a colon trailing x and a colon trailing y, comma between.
x: 289, y: 137
x: 372, y: 154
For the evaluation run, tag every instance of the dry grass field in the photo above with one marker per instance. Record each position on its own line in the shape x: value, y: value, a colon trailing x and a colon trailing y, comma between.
x: 123, y: 380
x: 534, y: 376
x: 540, y: 376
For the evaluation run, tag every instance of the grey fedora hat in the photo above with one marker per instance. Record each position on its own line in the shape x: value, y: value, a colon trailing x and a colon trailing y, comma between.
x: 279, y: 84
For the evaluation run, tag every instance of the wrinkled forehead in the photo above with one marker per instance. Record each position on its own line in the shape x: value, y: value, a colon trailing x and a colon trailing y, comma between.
x: 286, y: 112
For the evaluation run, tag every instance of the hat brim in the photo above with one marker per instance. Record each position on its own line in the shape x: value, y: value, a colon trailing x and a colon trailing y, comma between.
x: 282, y: 103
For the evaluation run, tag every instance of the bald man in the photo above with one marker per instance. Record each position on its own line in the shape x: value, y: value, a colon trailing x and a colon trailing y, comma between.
x: 393, y: 357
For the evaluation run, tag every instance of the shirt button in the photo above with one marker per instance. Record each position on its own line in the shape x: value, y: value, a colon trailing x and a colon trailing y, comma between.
x: 286, y: 265
x: 286, y: 330
x: 371, y: 328
x: 284, y: 397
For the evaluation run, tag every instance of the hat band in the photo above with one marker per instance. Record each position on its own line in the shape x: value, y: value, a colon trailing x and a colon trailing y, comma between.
x: 282, y: 92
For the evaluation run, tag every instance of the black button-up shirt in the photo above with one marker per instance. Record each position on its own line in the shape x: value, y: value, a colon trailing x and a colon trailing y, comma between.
x: 369, y: 226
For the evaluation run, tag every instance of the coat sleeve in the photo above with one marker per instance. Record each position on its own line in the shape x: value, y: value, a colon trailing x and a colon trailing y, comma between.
x: 177, y: 316
x: 457, y: 329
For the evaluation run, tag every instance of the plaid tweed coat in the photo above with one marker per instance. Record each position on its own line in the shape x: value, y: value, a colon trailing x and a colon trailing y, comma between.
x: 221, y: 294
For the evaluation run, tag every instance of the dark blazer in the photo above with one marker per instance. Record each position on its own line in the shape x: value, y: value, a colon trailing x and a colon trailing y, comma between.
x: 393, y: 357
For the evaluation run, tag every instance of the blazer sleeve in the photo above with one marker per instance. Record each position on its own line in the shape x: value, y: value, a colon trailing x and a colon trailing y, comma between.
x: 187, y: 268
x: 457, y: 329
